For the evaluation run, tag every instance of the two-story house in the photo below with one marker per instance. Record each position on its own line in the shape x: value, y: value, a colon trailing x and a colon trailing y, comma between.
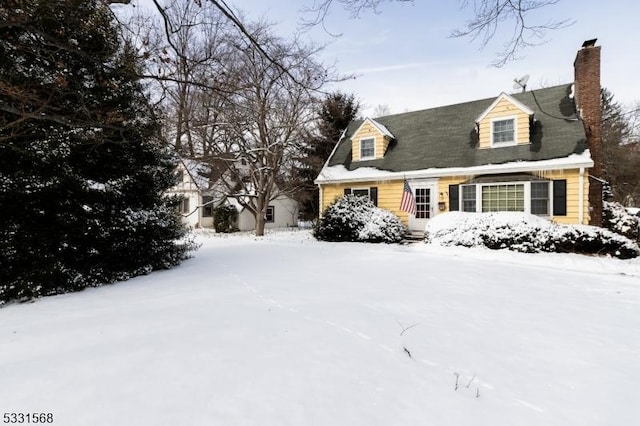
x: 531, y: 152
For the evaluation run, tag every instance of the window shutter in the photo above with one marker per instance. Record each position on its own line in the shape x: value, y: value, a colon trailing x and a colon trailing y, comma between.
x: 373, y: 194
x: 454, y: 198
x: 560, y: 197
x: 347, y: 191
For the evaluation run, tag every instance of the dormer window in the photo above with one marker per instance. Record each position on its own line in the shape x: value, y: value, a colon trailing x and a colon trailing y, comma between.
x: 367, y: 148
x: 503, y: 131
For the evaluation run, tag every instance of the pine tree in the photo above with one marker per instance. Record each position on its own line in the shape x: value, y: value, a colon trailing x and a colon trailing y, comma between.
x: 334, y: 115
x: 82, y: 173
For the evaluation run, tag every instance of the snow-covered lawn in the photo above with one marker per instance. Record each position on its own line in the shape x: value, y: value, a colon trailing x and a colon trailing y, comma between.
x: 286, y: 330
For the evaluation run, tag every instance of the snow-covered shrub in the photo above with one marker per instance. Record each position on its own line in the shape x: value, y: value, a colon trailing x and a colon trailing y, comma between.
x: 525, y: 233
x: 616, y: 218
x: 224, y: 218
x: 382, y: 227
x: 353, y: 218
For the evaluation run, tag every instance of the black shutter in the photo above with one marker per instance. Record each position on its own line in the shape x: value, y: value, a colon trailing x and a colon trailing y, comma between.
x: 373, y: 194
x: 347, y: 191
x: 560, y: 197
x: 454, y: 198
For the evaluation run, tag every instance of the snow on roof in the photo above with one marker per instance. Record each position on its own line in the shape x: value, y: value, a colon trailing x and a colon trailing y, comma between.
x: 235, y: 203
x: 500, y: 97
x: 634, y: 210
x: 382, y: 128
x: 195, y: 170
x: 340, y: 173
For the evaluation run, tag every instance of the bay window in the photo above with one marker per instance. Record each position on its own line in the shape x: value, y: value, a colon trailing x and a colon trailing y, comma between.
x: 525, y: 196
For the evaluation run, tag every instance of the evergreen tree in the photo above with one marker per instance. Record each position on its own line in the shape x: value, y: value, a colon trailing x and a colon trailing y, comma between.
x: 334, y: 115
x: 82, y: 173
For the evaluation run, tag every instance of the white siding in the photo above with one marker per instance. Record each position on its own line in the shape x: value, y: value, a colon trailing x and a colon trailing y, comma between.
x: 286, y: 215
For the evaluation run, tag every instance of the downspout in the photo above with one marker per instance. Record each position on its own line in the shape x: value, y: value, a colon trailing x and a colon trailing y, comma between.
x: 581, y: 196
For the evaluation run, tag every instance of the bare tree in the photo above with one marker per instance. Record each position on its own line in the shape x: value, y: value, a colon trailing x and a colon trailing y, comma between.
x: 264, y: 122
x: 381, y: 110
x: 316, y: 14
x: 235, y: 97
x: 192, y: 65
x: 621, y: 151
x: 488, y: 16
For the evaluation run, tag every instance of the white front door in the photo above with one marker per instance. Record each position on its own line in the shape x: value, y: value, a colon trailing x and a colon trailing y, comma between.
x: 426, y: 195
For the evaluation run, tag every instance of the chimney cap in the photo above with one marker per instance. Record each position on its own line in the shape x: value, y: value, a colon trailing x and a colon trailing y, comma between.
x: 590, y: 43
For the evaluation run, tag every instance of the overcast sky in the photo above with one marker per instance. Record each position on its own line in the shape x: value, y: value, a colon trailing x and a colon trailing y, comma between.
x: 404, y: 57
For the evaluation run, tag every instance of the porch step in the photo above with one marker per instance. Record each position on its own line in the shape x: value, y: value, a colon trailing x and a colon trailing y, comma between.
x: 413, y: 237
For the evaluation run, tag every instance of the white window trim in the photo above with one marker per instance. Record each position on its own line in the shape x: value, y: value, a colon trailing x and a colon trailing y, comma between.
x: 273, y: 214
x: 549, y: 197
x: 374, y: 148
x: 527, y: 195
x: 461, y: 197
x: 515, y: 131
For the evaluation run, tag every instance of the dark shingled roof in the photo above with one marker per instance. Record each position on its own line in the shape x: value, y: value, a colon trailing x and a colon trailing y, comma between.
x: 445, y: 136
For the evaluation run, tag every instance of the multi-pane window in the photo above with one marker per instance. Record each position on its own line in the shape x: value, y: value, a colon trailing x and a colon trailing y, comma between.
x: 370, y: 193
x: 503, y: 131
x: 469, y: 198
x: 184, y: 205
x: 367, y: 148
x: 540, y: 198
x: 207, y: 206
x: 503, y: 198
x: 423, y: 203
x: 531, y: 197
x: 270, y: 214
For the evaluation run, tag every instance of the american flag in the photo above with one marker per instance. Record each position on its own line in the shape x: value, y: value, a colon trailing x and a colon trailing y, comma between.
x: 408, y: 202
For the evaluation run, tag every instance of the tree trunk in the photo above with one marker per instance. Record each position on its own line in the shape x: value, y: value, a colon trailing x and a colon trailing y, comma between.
x: 260, y: 224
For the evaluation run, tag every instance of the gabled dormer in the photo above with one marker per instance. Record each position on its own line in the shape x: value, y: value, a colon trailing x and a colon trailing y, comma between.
x: 370, y: 141
x: 506, y: 122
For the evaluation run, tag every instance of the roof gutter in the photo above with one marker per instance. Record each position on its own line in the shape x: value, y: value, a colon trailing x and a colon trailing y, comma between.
x: 515, y: 167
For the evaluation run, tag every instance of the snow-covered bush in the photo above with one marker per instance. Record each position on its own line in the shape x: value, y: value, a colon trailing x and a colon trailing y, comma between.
x: 224, y: 218
x: 616, y: 218
x: 353, y: 218
x: 525, y: 233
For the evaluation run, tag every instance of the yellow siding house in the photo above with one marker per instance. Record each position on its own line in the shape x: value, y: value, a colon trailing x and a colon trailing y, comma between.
x: 526, y: 152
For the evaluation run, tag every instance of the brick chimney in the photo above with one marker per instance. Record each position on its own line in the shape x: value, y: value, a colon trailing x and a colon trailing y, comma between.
x: 588, y: 103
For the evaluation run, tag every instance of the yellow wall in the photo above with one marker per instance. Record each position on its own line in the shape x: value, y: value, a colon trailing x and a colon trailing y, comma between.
x: 573, y: 190
x: 504, y: 108
x: 390, y: 193
x: 443, y: 187
x: 366, y: 131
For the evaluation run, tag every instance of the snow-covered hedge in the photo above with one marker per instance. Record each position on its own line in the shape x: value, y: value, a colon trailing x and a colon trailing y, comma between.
x: 618, y: 219
x: 353, y: 218
x: 525, y: 233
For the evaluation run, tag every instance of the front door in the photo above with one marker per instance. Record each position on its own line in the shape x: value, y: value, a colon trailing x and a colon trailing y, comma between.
x: 425, y: 194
